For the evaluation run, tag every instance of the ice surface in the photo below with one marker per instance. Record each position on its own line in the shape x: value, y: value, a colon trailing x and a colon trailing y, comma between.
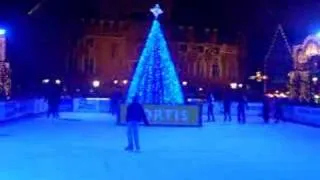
x: 90, y: 147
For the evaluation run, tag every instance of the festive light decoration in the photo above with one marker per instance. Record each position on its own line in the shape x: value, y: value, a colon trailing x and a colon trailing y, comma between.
x: 156, y: 11
x: 5, y: 80
x: 259, y: 77
x: 155, y: 80
x: 278, y: 61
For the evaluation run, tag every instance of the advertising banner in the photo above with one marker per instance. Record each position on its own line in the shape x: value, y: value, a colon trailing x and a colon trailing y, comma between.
x: 84, y: 105
x: 15, y: 109
x: 66, y: 105
x: 168, y: 115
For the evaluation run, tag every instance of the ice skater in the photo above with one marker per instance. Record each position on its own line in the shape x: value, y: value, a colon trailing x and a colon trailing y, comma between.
x: 266, y: 109
x: 211, y: 108
x: 278, y: 112
x: 135, y: 114
x: 242, y: 105
x: 53, y: 99
x: 227, y: 107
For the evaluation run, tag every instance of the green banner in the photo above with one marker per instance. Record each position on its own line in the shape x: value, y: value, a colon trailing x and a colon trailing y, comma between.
x: 168, y: 115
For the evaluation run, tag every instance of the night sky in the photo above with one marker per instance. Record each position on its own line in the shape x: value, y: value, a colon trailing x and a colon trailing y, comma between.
x: 256, y: 19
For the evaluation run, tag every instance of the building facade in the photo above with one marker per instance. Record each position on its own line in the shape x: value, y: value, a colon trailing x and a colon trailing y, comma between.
x: 109, y: 50
x: 304, y: 84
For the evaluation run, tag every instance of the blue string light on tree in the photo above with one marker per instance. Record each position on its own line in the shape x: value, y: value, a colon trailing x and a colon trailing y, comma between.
x: 155, y: 80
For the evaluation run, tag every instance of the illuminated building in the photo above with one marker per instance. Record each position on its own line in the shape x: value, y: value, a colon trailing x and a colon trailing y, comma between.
x: 303, y: 82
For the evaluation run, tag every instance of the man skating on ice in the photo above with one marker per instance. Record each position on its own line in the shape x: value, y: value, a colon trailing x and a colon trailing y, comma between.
x: 242, y: 105
x: 135, y: 114
x: 211, y: 108
x: 227, y: 107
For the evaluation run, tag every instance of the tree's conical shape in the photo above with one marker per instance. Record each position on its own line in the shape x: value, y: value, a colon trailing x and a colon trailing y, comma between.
x: 155, y: 80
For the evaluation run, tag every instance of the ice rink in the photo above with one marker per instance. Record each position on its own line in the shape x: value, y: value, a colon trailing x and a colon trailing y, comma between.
x: 90, y: 147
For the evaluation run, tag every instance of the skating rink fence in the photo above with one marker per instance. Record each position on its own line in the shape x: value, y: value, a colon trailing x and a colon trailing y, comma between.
x: 15, y: 109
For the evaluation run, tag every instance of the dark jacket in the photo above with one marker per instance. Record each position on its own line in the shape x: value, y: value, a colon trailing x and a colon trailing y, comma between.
x: 136, y: 113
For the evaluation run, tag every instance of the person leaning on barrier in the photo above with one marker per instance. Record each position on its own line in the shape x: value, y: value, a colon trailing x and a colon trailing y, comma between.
x: 135, y: 115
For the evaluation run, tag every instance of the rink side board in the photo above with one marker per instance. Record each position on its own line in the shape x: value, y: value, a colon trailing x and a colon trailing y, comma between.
x: 168, y: 115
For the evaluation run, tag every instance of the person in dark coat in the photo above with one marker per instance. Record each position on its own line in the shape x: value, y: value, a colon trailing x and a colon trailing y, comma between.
x: 278, y: 113
x: 242, y: 105
x: 53, y: 99
x: 211, y: 108
x: 266, y: 109
x: 227, y: 107
x: 135, y: 115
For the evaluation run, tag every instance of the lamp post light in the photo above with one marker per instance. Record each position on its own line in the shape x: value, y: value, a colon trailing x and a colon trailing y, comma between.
x: 125, y: 82
x: 45, y: 81
x: 233, y: 85
x: 96, y: 83
x: 58, y: 81
x: 315, y: 80
x: 115, y: 81
x: 184, y: 83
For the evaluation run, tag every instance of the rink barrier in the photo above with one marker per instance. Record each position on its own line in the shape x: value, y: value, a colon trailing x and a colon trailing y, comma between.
x: 302, y: 115
x: 18, y: 109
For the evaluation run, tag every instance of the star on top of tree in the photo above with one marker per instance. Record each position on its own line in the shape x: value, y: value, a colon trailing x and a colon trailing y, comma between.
x: 156, y: 10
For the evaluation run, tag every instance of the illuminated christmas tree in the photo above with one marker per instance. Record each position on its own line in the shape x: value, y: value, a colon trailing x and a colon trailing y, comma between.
x: 155, y: 80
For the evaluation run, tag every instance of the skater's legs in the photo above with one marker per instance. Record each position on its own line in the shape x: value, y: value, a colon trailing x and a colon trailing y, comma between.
x: 129, y: 136
x: 135, y: 132
x: 50, y: 111
x: 210, y: 113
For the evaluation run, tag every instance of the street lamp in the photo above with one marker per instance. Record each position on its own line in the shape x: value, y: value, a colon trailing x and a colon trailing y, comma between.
x: 200, y: 89
x: 233, y: 85
x: 58, y: 81
x: 315, y: 79
x: 45, y: 81
x: 184, y: 83
x: 125, y: 82
x: 115, y: 81
x: 95, y: 83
